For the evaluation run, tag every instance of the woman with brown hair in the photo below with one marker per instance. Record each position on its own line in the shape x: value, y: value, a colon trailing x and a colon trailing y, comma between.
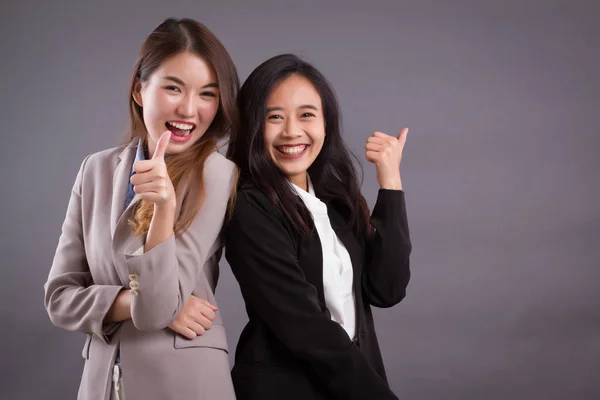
x: 137, y: 261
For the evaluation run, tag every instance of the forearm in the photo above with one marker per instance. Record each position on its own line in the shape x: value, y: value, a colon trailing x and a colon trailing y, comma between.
x: 77, y: 308
x: 161, y: 226
x: 120, y: 309
x: 388, y: 251
x: 170, y: 266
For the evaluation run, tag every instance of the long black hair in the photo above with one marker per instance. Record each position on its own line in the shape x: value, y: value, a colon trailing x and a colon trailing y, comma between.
x: 333, y: 174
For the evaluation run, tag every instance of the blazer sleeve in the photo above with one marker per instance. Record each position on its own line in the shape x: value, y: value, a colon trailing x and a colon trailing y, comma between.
x: 387, y: 270
x: 263, y: 258
x: 168, y: 273
x: 72, y: 300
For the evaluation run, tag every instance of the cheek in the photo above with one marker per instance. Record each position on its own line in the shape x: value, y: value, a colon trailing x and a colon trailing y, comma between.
x: 158, y: 104
x: 318, y: 135
x: 269, y: 136
x: 208, y: 109
x: 321, y: 138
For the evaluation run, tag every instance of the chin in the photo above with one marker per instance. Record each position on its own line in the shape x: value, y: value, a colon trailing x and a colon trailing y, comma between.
x: 296, y: 172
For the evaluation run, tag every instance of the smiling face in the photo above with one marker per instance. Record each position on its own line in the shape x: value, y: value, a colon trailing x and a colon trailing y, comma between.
x: 294, y: 127
x: 181, y: 96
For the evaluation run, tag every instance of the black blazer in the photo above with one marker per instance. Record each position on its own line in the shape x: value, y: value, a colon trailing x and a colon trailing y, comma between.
x: 290, y: 348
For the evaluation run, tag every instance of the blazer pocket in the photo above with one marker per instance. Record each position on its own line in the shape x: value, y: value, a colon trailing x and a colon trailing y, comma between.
x: 85, y: 353
x: 215, y: 338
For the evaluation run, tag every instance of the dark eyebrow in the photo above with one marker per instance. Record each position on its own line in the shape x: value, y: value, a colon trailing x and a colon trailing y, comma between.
x: 310, y: 106
x: 182, y: 83
x: 174, y: 79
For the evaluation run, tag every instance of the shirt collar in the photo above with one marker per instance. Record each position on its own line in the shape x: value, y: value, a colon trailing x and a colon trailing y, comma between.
x: 139, y: 154
x: 309, y: 198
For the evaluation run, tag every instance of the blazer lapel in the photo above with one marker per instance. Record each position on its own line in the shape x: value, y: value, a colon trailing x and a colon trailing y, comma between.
x: 120, y: 183
x: 345, y: 233
x: 310, y: 256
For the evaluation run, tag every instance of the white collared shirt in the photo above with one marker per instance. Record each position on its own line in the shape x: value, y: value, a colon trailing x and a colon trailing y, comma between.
x: 337, y: 266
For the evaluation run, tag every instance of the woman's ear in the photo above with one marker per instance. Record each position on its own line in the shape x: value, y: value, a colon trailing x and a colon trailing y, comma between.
x: 137, y: 92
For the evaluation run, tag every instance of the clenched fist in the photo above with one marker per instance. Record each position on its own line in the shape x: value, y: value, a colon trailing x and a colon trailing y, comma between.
x: 151, y: 180
x: 195, y: 318
x: 385, y: 152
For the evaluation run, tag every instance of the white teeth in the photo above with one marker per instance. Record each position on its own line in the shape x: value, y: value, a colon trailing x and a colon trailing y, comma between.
x: 292, y: 150
x: 182, y: 126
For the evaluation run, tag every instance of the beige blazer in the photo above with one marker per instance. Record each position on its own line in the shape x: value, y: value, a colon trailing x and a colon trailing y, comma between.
x: 95, y: 257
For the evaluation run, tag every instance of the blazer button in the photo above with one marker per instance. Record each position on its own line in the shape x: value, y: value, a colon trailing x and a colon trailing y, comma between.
x: 133, y: 277
x: 134, y: 292
x: 134, y: 285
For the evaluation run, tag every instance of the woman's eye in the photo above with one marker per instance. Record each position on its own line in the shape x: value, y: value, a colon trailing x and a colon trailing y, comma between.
x: 173, y: 88
x: 274, y: 117
x: 307, y: 115
x: 208, y: 94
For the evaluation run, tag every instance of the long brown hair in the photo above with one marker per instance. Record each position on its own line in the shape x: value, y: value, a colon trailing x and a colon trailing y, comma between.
x: 172, y: 37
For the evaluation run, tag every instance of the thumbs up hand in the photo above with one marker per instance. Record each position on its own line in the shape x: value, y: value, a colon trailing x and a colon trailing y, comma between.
x: 385, y: 152
x: 151, y: 180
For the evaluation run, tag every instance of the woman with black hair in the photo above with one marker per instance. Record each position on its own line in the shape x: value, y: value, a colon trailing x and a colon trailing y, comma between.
x: 308, y: 258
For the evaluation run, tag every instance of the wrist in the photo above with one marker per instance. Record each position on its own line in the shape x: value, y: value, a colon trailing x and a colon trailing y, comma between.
x: 125, y: 301
x: 165, y: 209
x: 391, y: 186
x: 391, y: 182
x: 120, y: 309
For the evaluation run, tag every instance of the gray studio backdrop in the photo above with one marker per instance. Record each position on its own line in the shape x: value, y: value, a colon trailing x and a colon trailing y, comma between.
x: 501, y: 173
